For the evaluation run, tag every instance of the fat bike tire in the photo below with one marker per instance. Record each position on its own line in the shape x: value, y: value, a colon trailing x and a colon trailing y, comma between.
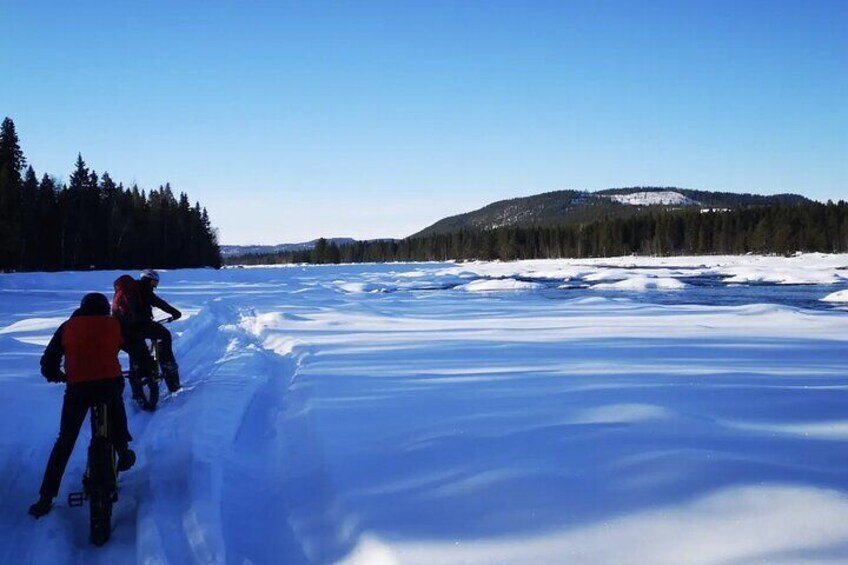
x: 100, y: 507
x: 146, y: 392
x: 151, y: 392
x: 102, y: 489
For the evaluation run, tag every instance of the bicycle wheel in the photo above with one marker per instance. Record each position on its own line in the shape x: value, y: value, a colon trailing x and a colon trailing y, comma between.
x: 100, y: 507
x: 145, y: 390
x: 101, y: 481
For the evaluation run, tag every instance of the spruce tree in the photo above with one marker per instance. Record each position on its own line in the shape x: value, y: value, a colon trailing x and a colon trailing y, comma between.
x: 48, y: 254
x: 12, y: 162
x: 30, y: 222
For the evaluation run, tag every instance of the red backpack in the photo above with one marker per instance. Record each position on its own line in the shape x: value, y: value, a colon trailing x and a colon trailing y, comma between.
x: 126, y: 304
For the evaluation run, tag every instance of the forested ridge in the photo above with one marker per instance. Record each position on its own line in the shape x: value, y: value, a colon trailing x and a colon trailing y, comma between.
x: 562, y: 207
x: 93, y: 222
x: 778, y: 228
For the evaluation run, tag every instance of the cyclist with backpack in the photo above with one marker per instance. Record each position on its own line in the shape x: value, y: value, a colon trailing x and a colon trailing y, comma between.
x: 89, y: 342
x: 133, y: 305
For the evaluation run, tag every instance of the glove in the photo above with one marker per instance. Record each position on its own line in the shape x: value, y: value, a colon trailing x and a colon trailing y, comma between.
x: 176, y: 315
x: 57, y: 376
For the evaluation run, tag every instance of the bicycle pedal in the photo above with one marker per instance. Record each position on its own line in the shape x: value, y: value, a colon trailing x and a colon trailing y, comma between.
x: 76, y: 498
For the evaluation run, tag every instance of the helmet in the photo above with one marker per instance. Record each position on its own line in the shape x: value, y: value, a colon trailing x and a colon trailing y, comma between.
x: 95, y: 304
x: 150, y: 274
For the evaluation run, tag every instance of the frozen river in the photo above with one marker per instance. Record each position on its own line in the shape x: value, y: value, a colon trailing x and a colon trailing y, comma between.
x: 629, y: 410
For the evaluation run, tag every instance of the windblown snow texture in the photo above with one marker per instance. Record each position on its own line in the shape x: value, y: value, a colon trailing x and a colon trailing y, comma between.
x: 630, y: 410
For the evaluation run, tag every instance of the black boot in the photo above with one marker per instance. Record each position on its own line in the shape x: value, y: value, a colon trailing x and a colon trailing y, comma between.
x: 137, y: 390
x: 171, y: 374
x: 126, y: 459
x: 42, y: 507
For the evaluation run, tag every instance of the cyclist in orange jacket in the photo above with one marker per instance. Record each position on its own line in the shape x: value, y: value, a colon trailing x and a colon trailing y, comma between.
x: 89, y: 341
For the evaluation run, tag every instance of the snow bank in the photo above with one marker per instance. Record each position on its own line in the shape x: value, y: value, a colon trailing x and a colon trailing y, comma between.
x: 773, y: 275
x: 809, y: 268
x: 33, y: 325
x: 839, y: 296
x: 359, y: 287
x: 605, y: 275
x: 550, y: 269
x: 642, y: 283
x: 498, y: 285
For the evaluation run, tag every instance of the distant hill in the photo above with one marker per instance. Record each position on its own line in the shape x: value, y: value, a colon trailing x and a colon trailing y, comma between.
x: 240, y: 250
x: 565, y: 207
x: 470, y: 235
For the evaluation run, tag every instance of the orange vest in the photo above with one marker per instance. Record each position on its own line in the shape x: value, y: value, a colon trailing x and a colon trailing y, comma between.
x: 91, y: 345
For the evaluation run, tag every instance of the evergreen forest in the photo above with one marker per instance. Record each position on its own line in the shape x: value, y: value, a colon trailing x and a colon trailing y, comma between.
x: 776, y: 228
x: 93, y: 222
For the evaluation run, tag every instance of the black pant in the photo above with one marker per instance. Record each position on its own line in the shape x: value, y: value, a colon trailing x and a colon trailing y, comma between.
x: 141, y: 362
x: 150, y: 330
x: 79, y: 397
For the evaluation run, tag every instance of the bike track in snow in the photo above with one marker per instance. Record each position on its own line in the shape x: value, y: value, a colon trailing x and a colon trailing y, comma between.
x: 228, y: 470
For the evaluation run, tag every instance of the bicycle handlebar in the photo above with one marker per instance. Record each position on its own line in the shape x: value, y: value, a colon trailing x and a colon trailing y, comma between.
x: 167, y: 320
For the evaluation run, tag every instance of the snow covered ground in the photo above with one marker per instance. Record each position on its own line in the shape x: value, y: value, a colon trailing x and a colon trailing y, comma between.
x: 628, y: 410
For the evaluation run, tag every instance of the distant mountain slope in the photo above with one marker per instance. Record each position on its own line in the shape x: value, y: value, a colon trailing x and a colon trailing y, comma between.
x: 712, y: 199
x: 237, y: 250
x: 575, y: 207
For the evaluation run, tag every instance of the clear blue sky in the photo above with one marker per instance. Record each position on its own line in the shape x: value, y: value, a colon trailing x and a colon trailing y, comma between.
x: 373, y: 119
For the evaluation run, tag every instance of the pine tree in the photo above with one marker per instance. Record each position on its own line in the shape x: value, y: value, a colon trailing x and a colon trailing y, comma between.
x: 48, y: 255
x: 73, y: 200
x: 12, y: 162
x: 93, y: 221
x: 30, y: 221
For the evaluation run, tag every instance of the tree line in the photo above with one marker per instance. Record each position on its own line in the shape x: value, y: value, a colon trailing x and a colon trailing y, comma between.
x: 93, y: 222
x: 778, y: 228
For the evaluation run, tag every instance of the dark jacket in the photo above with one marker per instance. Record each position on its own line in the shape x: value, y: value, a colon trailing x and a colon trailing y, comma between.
x: 149, y: 300
x: 89, y: 343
